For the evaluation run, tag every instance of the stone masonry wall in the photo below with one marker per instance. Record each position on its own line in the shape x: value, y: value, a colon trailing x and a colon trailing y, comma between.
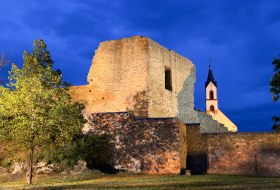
x: 233, y: 153
x: 209, y: 125
x: 163, y: 102
x: 142, y: 145
x: 117, y: 79
x: 244, y: 154
x: 196, y: 150
x: 129, y: 75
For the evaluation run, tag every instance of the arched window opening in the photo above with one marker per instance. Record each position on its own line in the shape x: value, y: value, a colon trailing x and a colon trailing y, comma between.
x: 211, y: 94
x: 212, y: 109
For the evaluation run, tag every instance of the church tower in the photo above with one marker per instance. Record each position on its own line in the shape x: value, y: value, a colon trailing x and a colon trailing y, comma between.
x: 212, y: 103
x: 211, y: 93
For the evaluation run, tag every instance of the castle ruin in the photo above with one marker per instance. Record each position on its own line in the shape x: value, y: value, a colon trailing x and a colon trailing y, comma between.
x: 141, y: 94
x: 140, y: 76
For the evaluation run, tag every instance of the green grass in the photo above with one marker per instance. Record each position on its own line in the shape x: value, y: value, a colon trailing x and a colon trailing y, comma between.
x: 130, y: 181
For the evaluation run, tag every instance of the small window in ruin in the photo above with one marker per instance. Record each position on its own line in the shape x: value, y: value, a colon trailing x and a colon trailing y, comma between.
x: 168, y: 79
x: 211, y: 95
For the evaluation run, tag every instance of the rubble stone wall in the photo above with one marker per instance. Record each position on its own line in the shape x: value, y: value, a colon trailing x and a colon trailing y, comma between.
x: 142, y: 144
x: 165, y: 102
x: 233, y: 153
x: 244, y: 154
x: 209, y: 125
x: 117, y: 79
x: 196, y: 149
x: 129, y: 75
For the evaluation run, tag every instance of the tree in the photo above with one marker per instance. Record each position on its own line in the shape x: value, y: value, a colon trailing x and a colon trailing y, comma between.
x: 4, y: 61
x: 35, y: 108
x: 275, y: 90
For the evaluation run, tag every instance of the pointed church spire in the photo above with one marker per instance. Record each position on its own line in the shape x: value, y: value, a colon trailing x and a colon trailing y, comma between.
x: 210, y: 77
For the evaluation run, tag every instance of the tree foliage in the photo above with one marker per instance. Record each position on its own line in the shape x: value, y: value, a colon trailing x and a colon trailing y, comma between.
x: 4, y: 61
x: 275, y: 90
x: 35, y: 109
x: 92, y: 148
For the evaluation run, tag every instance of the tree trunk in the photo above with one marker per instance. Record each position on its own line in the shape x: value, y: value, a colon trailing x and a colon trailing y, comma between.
x: 29, y: 166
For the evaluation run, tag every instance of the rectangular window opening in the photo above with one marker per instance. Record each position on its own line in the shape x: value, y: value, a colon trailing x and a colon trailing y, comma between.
x: 168, y: 79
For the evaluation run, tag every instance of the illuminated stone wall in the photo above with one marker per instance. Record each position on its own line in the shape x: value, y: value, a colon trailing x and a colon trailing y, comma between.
x: 154, y: 146
x: 117, y: 78
x: 244, y: 154
x: 164, y: 102
x: 233, y: 153
x: 129, y: 75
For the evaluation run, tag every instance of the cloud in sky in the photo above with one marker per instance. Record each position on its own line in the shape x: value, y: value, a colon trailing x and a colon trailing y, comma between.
x: 242, y: 38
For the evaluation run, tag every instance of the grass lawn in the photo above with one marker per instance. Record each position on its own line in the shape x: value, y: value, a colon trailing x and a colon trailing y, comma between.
x: 133, y: 181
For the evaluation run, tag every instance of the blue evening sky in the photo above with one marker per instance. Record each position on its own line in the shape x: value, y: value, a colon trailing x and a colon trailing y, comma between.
x: 242, y: 38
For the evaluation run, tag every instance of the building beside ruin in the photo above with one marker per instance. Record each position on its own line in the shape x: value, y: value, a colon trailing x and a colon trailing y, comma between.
x: 141, y: 94
x: 211, y: 90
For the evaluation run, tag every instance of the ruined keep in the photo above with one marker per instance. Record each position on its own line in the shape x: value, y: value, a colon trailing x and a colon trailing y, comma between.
x: 140, y: 76
x: 137, y: 74
x: 141, y: 94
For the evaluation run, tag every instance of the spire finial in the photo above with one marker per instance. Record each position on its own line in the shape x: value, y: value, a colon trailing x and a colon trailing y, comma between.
x: 210, y: 77
x: 210, y: 60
